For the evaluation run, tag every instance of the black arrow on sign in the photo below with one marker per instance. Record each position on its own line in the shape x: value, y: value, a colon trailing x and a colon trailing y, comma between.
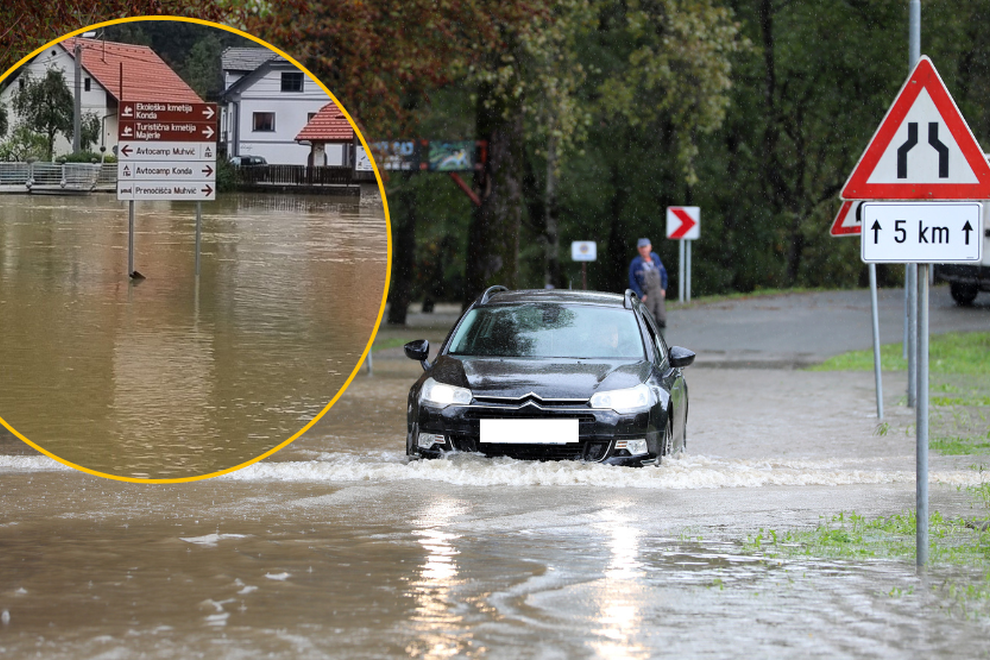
x: 876, y: 231
x: 967, y: 228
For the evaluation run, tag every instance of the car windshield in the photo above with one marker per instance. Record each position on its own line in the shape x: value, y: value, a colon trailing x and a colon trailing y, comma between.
x: 549, y: 331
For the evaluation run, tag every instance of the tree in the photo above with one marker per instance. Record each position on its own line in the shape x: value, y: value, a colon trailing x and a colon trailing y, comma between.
x: 46, y: 106
x: 30, y: 25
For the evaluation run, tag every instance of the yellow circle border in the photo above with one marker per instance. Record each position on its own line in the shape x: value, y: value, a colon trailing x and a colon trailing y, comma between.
x: 388, y: 263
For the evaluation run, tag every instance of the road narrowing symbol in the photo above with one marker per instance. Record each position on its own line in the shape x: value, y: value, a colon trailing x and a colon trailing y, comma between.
x: 922, y: 232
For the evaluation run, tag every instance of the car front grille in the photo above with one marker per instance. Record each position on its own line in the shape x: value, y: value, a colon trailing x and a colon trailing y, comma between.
x: 585, y: 450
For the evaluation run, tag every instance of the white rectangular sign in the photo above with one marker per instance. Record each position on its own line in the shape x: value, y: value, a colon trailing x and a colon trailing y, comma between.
x: 529, y: 431
x: 158, y: 190
x: 166, y: 151
x: 922, y: 232
x: 584, y: 251
x: 175, y: 171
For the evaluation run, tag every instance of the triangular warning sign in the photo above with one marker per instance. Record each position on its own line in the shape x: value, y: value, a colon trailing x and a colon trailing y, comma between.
x: 847, y: 221
x: 923, y: 148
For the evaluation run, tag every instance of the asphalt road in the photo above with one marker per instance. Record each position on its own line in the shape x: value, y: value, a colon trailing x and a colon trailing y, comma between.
x: 788, y: 330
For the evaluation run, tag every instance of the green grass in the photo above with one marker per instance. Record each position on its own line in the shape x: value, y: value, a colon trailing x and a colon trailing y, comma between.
x: 963, y: 353
x: 959, y: 388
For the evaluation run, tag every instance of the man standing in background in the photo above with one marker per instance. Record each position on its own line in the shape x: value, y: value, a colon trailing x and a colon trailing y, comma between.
x: 648, y: 278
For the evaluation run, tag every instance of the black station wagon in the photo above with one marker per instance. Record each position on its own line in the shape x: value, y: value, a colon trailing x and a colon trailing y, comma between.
x: 551, y: 375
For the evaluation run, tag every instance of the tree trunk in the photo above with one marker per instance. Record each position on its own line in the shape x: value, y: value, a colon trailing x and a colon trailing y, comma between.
x: 493, y: 238
x: 403, y: 254
x: 554, y: 276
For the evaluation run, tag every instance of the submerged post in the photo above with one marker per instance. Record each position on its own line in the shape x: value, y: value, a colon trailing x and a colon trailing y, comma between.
x: 199, y: 231
x: 130, y: 238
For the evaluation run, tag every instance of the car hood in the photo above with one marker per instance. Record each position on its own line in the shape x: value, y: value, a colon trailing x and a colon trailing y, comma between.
x: 558, y: 378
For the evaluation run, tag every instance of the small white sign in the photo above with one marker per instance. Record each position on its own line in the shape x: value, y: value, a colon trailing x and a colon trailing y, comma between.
x: 166, y: 151
x: 922, y: 232
x: 584, y: 251
x: 178, y: 171
x: 159, y: 191
x: 684, y: 222
x: 529, y: 431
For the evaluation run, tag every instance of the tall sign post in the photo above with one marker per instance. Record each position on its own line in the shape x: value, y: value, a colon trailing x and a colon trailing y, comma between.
x: 684, y: 225
x: 922, y: 156
x: 849, y: 222
x: 166, y: 151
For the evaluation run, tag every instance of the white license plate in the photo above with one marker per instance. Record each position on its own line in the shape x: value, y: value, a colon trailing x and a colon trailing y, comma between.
x: 529, y: 431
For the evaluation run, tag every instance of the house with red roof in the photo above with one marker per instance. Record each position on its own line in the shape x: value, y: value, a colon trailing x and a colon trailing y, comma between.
x: 266, y: 101
x: 329, y: 136
x: 110, y: 72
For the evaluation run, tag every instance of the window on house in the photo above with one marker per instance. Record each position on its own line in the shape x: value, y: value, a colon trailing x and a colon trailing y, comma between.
x: 86, y: 84
x: 292, y: 81
x: 264, y: 121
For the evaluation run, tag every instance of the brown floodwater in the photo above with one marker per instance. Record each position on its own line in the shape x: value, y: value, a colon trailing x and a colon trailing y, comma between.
x: 178, y: 376
x: 338, y: 547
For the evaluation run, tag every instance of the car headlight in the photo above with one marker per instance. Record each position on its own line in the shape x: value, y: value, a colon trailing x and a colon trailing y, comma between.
x: 441, y: 394
x: 633, y: 399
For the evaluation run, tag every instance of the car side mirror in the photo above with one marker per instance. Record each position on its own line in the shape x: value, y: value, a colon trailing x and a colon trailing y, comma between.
x: 681, y: 357
x: 419, y: 350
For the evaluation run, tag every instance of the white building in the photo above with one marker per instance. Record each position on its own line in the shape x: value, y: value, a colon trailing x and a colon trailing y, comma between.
x: 266, y: 102
x: 109, y: 73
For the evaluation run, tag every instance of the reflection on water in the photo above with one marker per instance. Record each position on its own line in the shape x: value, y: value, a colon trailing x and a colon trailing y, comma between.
x: 620, y: 595
x: 440, y: 630
x: 176, y: 376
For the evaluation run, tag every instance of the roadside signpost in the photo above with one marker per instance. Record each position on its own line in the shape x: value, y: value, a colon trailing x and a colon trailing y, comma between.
x: 584, y: 251
x: 166, y: 151
x: 684, y: 225
x: 922, y: 156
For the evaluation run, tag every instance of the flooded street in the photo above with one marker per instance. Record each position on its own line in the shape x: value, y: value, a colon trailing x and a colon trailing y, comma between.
x: 177, y: 376
x: 337, y: 547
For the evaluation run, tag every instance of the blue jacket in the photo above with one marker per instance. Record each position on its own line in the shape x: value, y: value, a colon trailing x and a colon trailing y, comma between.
x: 636, y: 277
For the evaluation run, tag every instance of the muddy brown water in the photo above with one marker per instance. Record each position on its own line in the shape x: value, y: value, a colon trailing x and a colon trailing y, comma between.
x: 177, y: 376
x: 337, y: 547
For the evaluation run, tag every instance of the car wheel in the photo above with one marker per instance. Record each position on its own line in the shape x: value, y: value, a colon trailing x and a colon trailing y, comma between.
x: 411, y: 438
x: 665, y: 442
x: 963, y: 294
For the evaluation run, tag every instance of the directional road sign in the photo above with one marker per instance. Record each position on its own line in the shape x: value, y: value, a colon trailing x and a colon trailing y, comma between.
x: 166, y: 151
x: 684, y: 222
x: 155, y: 190
x: 165, y: 111
x: 166, y: 171
x: 922, y: 232
x: 159, y: 131
x: 923, y: 148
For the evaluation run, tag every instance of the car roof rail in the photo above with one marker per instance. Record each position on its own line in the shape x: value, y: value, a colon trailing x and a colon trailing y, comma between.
x: 489, y: 292
x: 627, y: 298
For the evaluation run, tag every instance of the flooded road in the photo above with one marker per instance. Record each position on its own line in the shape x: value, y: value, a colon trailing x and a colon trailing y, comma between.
x: 177, y: 376
x: 337, y: 547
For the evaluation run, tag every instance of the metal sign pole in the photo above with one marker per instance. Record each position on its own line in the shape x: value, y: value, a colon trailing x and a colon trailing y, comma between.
x: 877, y: 371
x: 687, y: 279
x: 199, y: 232
x: 130, y: 238
x: 680, y: 270
x: 922, y: 419
x: 911, y: 270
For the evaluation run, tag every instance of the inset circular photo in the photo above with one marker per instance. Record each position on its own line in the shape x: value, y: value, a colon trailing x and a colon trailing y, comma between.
x: 194, y: 250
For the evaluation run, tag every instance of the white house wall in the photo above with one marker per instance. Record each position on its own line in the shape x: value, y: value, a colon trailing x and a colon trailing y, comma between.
x: 292, y: 110
x: 93, y: 101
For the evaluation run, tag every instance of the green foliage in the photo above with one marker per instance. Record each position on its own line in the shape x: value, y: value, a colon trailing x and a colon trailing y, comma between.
x: 23, y: 145
x: 46, y: 106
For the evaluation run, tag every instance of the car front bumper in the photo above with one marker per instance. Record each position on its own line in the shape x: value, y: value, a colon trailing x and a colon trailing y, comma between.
x: 458, y: 429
